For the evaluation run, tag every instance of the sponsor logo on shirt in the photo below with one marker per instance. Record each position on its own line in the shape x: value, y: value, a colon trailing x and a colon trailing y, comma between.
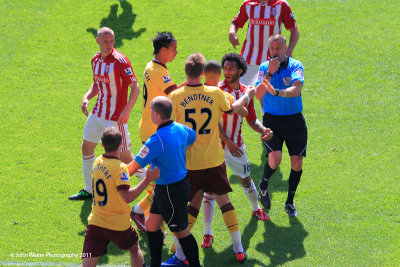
x: 274, y: 11
x: 300, y: 73
x: 260, y: 76
x: 267, y: 22
x: 128, y: 71
x: 291, y: 15
x: 144, y: 151
x: 287, y: 80
x: 101, y: 79
x: 124, y: 177
x: 166, y: 79
x: 107, y: 69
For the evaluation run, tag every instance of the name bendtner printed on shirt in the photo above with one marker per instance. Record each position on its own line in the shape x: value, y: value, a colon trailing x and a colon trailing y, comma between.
x: 196, y: 97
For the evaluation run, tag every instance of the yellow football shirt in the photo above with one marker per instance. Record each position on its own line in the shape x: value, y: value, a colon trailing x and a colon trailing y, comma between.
x: 157, y: 82
x: 201, y: 108
x: 109, y: 209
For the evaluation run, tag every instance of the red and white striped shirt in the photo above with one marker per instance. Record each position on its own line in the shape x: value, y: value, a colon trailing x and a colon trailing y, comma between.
x: 232, y: 123
x: 264, y: 21
x: 112, y: 76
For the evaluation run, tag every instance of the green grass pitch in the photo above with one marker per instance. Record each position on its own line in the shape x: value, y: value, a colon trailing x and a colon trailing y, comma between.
x: 348, y: 198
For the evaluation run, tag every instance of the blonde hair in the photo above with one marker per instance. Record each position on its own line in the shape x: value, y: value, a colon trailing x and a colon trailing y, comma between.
x: 104, y: 30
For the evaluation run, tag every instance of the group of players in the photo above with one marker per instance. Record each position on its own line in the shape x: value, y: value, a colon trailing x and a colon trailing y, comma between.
x: 215, y: 117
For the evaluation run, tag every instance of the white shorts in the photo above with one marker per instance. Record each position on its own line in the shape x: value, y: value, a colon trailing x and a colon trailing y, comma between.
x: 95, y: 126
x: 250, y: 77
x: 239, y: 166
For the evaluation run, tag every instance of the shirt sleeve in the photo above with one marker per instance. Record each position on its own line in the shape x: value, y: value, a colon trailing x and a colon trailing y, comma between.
x: 149, y: 151
x: 191, y: 135
x: 252, y: 116
x: 262, y: 70
x: 241, y: 18
x: 127, y: 74
x: 222, y: 101
x: 287, y: 16
x: 230, y: 97
x: 164, y: 81
x: 173, y: 114
x: 123, y: 177
x: 298, y: 73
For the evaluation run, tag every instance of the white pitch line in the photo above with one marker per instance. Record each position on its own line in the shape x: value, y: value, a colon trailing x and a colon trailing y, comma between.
x: 24, y: 263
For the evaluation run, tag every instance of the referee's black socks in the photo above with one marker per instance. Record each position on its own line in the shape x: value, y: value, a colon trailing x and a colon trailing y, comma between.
x: 190, y: 249
x: 155, y: 240
x: 294, y: 180
x: 268, y: 171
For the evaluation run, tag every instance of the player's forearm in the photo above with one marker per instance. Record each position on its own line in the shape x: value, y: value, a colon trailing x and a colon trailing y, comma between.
x: 238, y: 104
x: 293, y: 91
x: 294, y: 37
x: 233, y: 28
x: 257, y: 126
x: 92, y: 92
x: 134, y: 193
x: 261, y: 89
x: 222, y: 133
x: 135, y: 90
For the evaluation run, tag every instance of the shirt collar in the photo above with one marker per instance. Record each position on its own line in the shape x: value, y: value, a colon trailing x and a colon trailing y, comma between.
x: 165, y: 124
x: 158, y: 62
x: 109, y: 157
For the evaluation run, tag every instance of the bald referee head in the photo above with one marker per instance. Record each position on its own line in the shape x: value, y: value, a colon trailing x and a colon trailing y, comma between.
x: 161, y: 109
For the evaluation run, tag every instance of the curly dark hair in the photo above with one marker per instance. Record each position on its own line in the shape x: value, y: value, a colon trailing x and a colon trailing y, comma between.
x: 162, y: 39
x: 240, y: 61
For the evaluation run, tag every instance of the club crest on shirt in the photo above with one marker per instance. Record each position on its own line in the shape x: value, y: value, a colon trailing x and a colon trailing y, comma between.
x: 166, y: 79
x: 124, y: 177
x: 128, y: 71
x: 287, y: 80
x: 144, y: 151
x: 260, y: 76
x: 274, y: 11
x: 107, y: 69
x: 300, y: 73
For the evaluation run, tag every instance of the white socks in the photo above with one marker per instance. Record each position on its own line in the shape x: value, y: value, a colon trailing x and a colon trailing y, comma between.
x: 208, y: 212
x: 251, y: 194
x: 178, y: 249
x: 87, y: 167
x: 237, y: 242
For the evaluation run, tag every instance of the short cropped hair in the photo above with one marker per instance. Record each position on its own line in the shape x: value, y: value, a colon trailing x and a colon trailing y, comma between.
x: 240, y: 61
x: 194, y: 65
x: 111, y: 139
x: 162, y: 39
x: 104, y: 30
x: 277, y: 37
x: 163, y: 106
x: 212, y: 66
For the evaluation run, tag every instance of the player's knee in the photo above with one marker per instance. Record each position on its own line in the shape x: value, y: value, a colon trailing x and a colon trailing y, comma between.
x: 245, y: 182
x: 274, y: 159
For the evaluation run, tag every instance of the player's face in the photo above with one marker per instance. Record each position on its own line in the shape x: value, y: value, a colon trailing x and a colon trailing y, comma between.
x: 231, y: 71
x: 172, y: 51
x: 106, y: 43
x: 277, y: 49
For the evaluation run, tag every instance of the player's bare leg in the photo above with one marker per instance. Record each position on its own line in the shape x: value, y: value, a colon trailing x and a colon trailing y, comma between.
x: 136, y: 255
x: 90, y: 262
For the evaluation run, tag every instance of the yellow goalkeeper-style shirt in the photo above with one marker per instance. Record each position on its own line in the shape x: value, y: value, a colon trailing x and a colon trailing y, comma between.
x: 157, y: 82
x: 109, y: 209
x: 200, y: 108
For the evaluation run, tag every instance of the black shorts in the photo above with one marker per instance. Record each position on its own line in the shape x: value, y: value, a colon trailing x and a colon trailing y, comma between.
x: 291, y: 129
x: 171, y: 202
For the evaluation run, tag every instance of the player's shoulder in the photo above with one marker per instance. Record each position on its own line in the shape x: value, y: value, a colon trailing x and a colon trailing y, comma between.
x: 295, y: 63
x: 211, y: 89
x: 120, y: 57
x: 95, y: 56
x: 250, y: 3
x: 221, y: 84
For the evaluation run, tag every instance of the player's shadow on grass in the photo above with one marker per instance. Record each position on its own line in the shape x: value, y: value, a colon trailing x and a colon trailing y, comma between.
x: 283, y: 244
x: 121, y: 25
